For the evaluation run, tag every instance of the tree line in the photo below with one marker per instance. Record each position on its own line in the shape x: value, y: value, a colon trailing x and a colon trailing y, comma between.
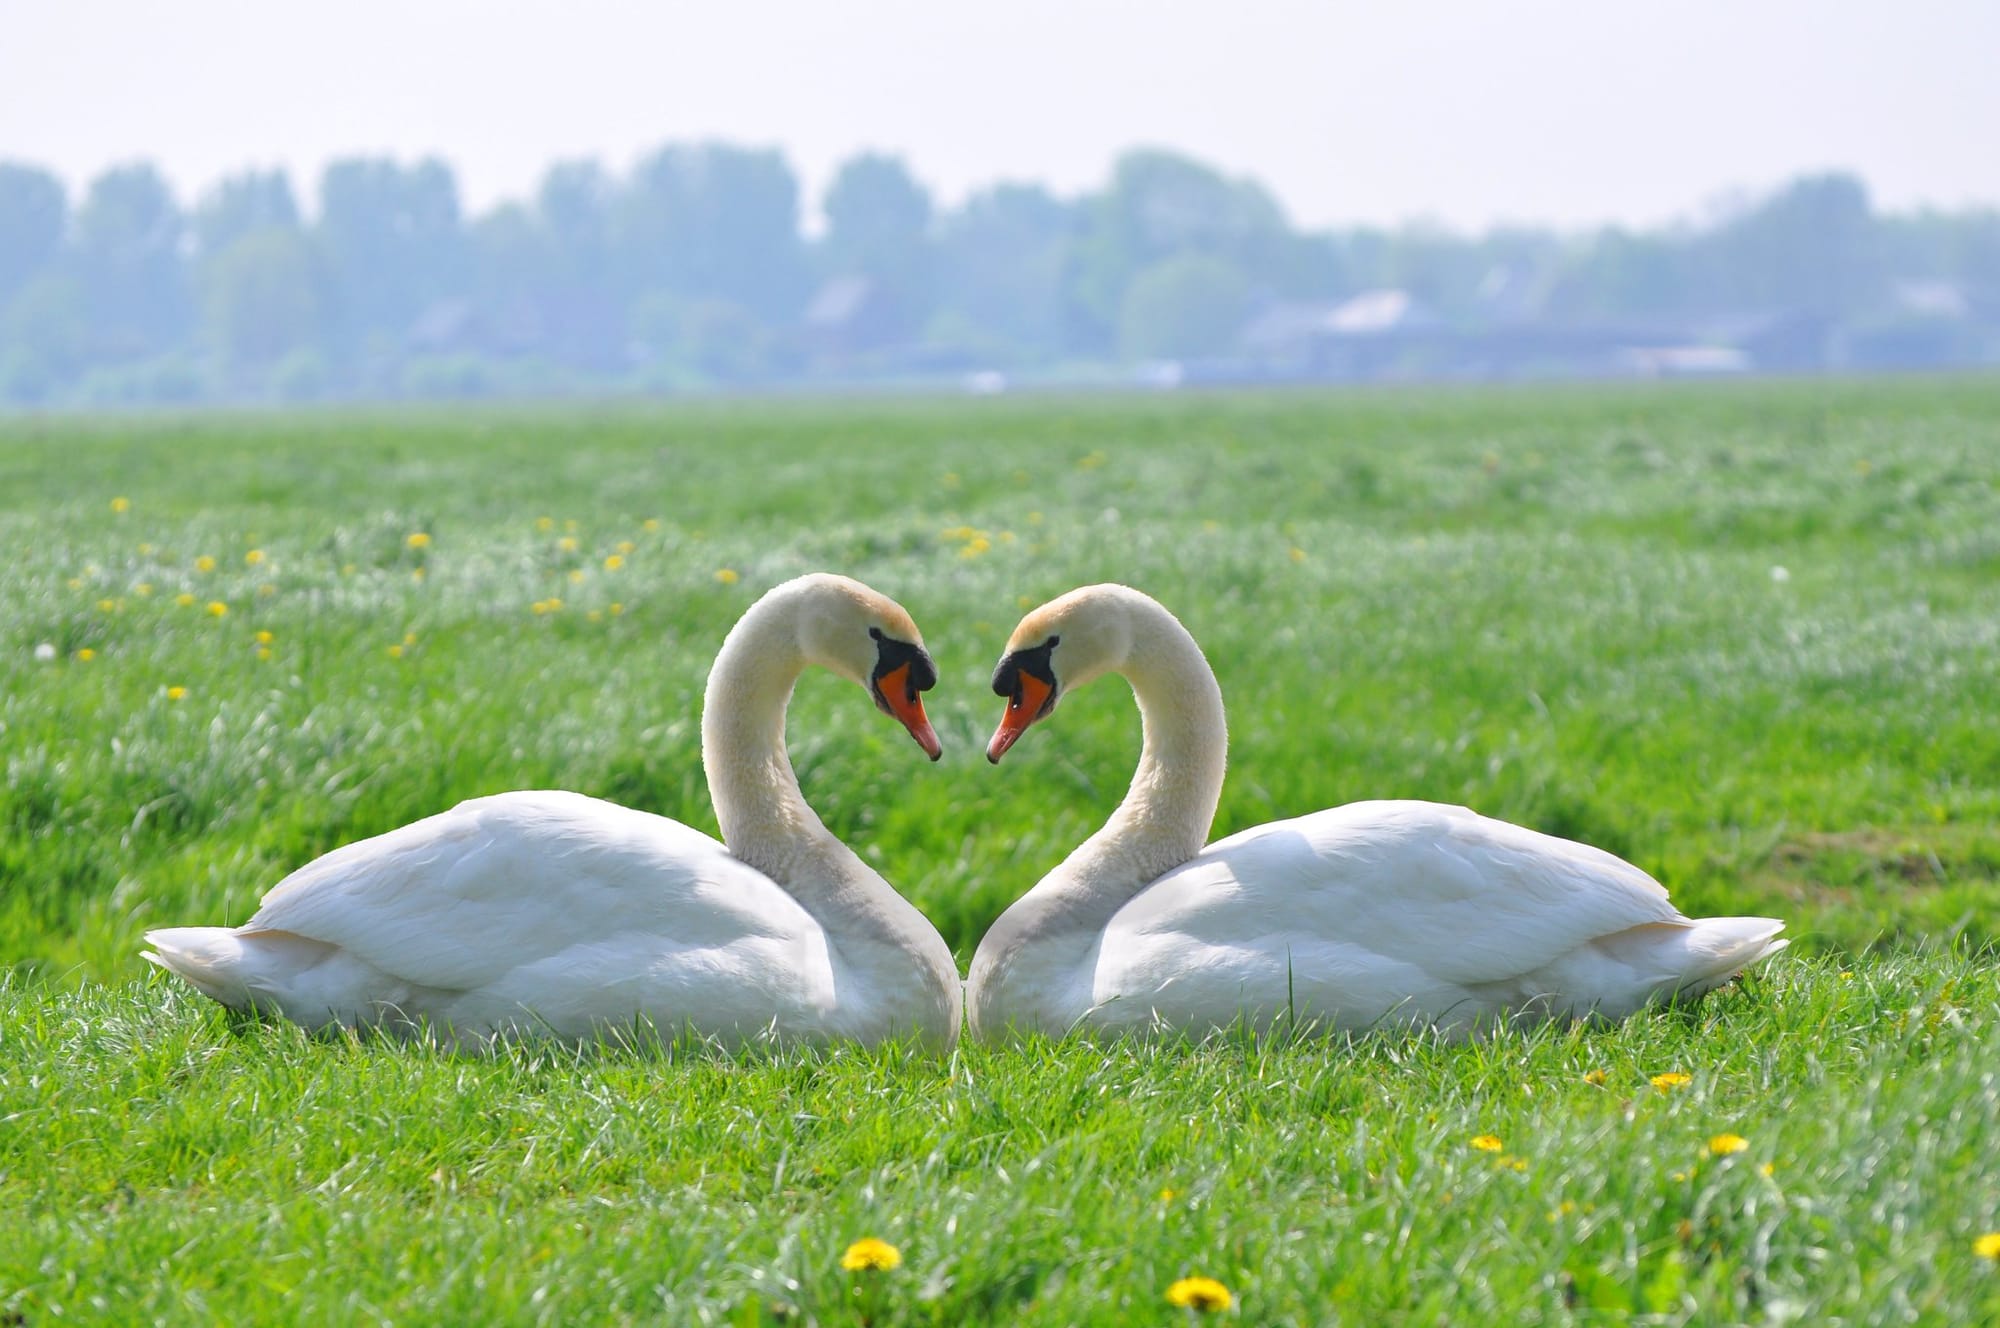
x: 692, y: 269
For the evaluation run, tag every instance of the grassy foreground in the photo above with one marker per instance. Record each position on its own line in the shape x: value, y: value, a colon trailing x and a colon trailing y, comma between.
x: 1748, y: 637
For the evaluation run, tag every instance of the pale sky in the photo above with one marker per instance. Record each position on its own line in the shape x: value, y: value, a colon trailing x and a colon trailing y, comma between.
x: 1560, y: 111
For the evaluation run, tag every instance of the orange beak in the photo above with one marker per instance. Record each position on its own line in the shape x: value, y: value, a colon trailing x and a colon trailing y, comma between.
x: 907, y: 705
x: 1024, y: 709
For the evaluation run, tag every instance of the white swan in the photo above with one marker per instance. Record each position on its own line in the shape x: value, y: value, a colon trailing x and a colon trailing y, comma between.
x: 557, y: 914
x: 1372, y: 914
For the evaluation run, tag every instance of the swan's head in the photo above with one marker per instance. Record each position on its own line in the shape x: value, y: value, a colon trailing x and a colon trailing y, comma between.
x: 868, y: 638
x: 1063, y: 644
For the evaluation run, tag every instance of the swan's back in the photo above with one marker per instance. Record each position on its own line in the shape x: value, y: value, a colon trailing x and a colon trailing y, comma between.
x: 1406, y: 913
x: 532, y: 911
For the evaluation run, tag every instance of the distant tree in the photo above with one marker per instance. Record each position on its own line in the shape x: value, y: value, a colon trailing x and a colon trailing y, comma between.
x: 1162, y: 205
x: 1000, y: 266
x: 260, y: 297
x: 714, y: 221
x: 1810, y: 247
x: 517, y: 282
x: 1189, y: 306
x: 32, y: 213
x: 243, y: 203
x: 1972, y: 250
x: 722, y: 343
x: 1623, y: 274
x: 45, y: 336
x: 392, y: 243
x: 878, y: 226
x: 576, y: 288
x: 127, y: 253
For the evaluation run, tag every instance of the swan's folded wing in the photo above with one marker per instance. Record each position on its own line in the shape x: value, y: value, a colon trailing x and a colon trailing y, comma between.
x: 1465, y: 899
x: 458, y: 900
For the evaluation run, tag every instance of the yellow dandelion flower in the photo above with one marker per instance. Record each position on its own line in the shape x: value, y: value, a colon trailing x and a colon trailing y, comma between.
x: 144, y: 590
x: 1594, y: 1077
x: 176, y: 693
x: 264, y: 637
x: 869, y: 1255
x: 184, y: 599
x: 217, y: 609
x: 614, y: 562
x: 1722, y: 1145
x: 396, y: 651
x: 567, y: 544
x: 650, y: 524
x: 539, y: 607
x: 86, y: 654
x: 254, y: 557
x: 1487, y: 1143
x: 1201, y: 1294
x: 1166, y: 1196
x: 728, y: 576
x: 615, y: 609
x: 626, y: 547
x: 555, y: 605
x: 1988, y: 1246
x: 419, y: 539
x: 107, y: 606
x: 409, y: 638
x: 1671, y: 1079
x: 416, y: 574
x: 1297, y: 554
x: 545, y: 523
x: 263, y: 652
x: 121, y: 505
x: 145, y: 550
x: 205, y: 563
x: 576, y: 577
x: 594, y: 615
x: 1767, y: 1169
x: 975, y: 546
x: 1512, y: 1163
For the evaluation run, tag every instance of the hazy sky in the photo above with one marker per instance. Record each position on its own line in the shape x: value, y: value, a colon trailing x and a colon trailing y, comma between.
x: 1566, y: 111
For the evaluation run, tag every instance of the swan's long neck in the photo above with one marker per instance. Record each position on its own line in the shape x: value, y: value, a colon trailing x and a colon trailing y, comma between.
x: 764, y: 817
x: 1162, y: 822
x: 1165, y: 817
x: 892, y: 969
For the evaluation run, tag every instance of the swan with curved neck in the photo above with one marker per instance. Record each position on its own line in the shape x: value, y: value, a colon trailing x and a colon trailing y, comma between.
x: 558, y: 914
x: 1391, y: 913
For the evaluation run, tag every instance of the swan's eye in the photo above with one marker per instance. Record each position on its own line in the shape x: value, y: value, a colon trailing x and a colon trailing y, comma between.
x: 1031, y: 663
x: 892, y: 657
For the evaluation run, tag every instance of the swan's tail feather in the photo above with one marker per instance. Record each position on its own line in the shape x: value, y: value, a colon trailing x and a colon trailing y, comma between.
x: 211, y: 960
x: 241, y: 969
x: 1718, y: 949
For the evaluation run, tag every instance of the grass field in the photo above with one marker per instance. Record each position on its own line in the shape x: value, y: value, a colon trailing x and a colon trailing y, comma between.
x: 1747, y: 636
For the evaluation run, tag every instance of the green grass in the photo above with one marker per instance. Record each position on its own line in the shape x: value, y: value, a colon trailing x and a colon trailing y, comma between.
x: 1564, y: 608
